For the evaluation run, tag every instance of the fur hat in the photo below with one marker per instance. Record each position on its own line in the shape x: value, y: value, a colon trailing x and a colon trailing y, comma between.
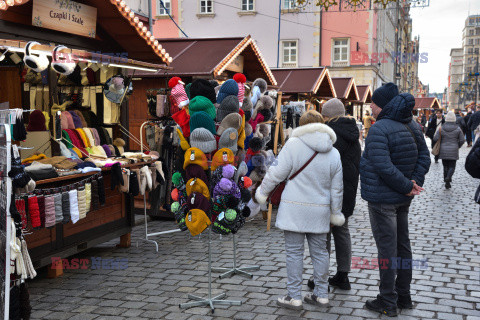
x: 267, y: 114
x: 203, y: 139
x: 333, y: 108
x: 228, y: 105
x: 195, y: 156
x: 256, y: 144
x: 233, y: 120
x: 228, y: 88
x: 221, y: 158
x: 229, y: 139
x: 248, y: 129
x: 265, y: 102
x: 119, y: 143
x: 197, y: 185
x: 261, y: 84
x: 203, y: 87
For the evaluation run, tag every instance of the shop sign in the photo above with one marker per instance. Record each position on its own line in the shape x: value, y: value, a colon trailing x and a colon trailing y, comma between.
x: 66, y: 16
x: 236, y: 65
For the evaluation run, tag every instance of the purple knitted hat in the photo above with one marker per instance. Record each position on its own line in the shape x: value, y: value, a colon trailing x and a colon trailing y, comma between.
x: 76, y: 120
x: 107, y: 150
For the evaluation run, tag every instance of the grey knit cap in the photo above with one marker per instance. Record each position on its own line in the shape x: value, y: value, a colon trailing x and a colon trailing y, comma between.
x: 229, y: 139
x: 203, y: 139
x: 229, y: 105
x: 233, y: 120
x: 333, y: 108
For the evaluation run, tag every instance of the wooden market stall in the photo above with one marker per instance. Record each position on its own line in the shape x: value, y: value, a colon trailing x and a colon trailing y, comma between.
x: 365, y: 94
x: 308, y: 84
x: 425, y: 106
x: 346, y: 90
x: 110, y: 38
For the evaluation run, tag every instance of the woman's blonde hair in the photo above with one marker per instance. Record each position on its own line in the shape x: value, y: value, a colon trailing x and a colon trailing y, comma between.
x: 311, y: 116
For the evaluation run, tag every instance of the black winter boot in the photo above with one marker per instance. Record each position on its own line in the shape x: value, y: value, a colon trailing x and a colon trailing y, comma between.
x: 404, y: 302
x: 340, y: 280
x: 379, y: 306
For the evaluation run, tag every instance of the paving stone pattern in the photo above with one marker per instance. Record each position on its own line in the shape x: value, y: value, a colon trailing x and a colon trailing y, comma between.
x: 444, y: 229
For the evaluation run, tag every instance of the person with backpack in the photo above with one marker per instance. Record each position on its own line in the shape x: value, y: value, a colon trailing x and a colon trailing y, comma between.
x: 310, y: 202
x: 451, y: 140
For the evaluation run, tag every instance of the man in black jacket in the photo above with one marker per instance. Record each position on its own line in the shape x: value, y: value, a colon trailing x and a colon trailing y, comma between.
x: 348, y: 145
x: 433, y: 125
x: 468, y: 131
x: 474, y: 122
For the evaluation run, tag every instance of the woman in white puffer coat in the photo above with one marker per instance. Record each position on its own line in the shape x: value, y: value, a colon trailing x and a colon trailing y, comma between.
x: 310, y: 202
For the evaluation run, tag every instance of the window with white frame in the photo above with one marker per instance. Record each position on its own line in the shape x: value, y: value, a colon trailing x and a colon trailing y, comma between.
x: 288, y: 4
x: 290, y: 52
x: 165, y: 9
x: 248, y: 5
x: 206, y: 6
x: 340, y: 50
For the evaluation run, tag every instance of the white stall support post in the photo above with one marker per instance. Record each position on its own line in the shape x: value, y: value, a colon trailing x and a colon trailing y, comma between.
x: 230, y: 272
x: 210, y: 301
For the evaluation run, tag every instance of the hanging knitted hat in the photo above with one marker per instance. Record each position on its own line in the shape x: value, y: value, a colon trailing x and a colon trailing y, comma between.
x: 195, y: 156
x: 229, y: 139
x: 222, y: 157
x: 228, y: 88
x: 198, y: 201
x: 240, y: 79
x: 36, y: 121
x: 200, y: 103
x: 195, y: 171
x: 197, y: 185
x: 197, y: 221
x: 178, y: 91
x: 233, y: 120
x: 202, y: 120
x: 202, y: 87
x: 229, y: 105
x: 203, y: 139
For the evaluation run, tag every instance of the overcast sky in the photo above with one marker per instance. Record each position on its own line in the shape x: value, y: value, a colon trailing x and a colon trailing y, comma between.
x: 440, y: 28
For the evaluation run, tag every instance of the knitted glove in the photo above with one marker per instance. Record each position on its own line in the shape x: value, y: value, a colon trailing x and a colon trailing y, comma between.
x: 20, y: 204
x: 58, y: 208
x: 30, y: 270
x: 95, y: 198
x: 82, y: 204
x: 101, y: 191
x: 41, y: 210
x: 146, y: 172
x: 65, y: 207
x: 49, y: 211
x: 88, y: 196
x: 16, y: 254
x: 74, y: 213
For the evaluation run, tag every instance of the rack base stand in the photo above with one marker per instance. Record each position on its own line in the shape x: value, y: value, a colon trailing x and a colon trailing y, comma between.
x: 146, y: 227
x: 210, y: 301
x: 230, y: 272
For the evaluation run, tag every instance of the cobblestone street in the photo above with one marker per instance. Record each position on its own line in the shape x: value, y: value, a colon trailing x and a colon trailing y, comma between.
x: 444, y: 229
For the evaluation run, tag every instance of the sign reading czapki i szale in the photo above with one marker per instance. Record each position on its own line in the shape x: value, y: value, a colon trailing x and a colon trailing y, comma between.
x: 65, y: 15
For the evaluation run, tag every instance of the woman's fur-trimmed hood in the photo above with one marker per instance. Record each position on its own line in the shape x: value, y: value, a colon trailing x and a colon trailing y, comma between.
x: 317, y: 136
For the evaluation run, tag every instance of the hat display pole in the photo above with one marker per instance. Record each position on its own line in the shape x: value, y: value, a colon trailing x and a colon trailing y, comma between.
x: 210, y: 301
x: 233, y: 271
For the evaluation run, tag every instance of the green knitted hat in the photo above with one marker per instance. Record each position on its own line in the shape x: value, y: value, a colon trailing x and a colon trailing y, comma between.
x: 201, y: 119
x: 200, y: 103
x: 230, y: 214
x: 177, y: 179
x: 187, y: 90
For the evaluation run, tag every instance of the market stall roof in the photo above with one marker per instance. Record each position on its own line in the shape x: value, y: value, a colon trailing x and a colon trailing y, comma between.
x: 365, y: 93
x: 315, y: 81
x: 346, y: 89
x: 210, y: 57
x: 115, y: 23
x: 427, y: 103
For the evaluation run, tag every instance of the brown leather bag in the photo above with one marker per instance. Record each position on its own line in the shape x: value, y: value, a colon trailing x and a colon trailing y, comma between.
x: 276, y: 195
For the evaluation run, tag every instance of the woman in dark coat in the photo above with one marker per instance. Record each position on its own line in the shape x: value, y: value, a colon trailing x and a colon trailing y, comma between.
x: 452, y: 139
x: 348, y: 145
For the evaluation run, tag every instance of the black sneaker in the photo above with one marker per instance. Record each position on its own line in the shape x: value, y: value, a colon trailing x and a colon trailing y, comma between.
x: 448, y: 185
x: 404, y: 302
x: 340, y: 280
x: 380, y: 307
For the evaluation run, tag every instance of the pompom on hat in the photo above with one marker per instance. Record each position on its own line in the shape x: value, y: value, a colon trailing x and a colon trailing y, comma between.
x: 261, y: 84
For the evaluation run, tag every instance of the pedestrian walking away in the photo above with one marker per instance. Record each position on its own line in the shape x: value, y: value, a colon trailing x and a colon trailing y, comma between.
x: 392, y: 171
x: 451, y: 140
x: 468, y: 133
x: 433, y: 124
x: 310, y: 202
x: 346, y: 129
x: 367, y: 122
x: 473, y: 124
